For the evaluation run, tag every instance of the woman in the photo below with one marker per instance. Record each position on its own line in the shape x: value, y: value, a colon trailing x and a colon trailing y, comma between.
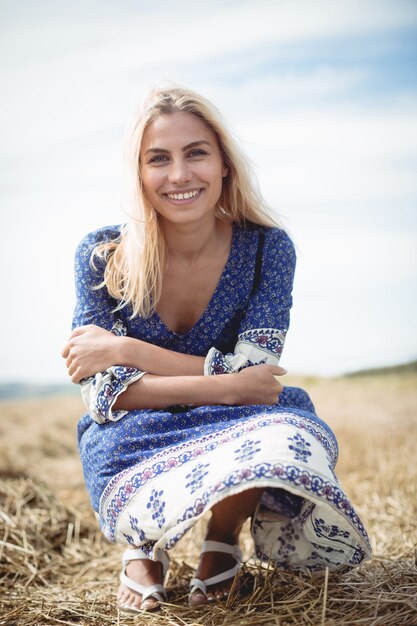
x: 179, y: 325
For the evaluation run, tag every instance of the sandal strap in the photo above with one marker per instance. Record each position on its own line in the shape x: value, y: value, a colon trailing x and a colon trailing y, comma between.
x: 197, y: 583
x: 155, y: 591
x: 137, y: 554
x: 219, y: 578
x: 217, y: 546
x: 220, y: 546
x: 163, y: 559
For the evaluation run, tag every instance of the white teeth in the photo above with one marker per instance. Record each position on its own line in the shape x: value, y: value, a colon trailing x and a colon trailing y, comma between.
x: 183, y: 196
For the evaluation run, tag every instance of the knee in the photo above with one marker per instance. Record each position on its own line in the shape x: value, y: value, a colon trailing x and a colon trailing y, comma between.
x: 296, y: 397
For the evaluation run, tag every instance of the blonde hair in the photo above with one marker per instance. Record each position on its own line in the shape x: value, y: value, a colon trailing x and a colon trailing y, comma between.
x: 135, y: 262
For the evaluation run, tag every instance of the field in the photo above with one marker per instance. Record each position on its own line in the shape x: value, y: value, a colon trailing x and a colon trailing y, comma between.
x: 57, y: 569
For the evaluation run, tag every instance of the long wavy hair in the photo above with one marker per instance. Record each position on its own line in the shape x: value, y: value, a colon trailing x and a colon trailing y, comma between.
x: 135, y: 262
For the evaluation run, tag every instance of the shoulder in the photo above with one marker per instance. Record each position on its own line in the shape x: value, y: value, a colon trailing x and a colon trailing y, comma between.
x: 89, y: 268
x: 101, y: 235
x: 277, y: 244
x: 277, y: 238
x: 106, y: 234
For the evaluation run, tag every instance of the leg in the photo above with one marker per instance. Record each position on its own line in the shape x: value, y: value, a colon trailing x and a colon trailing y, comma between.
x: 225, y: 525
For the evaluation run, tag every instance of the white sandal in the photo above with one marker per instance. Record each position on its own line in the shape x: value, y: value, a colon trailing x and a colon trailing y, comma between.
x: 216, y: 546
x: 154, y: 591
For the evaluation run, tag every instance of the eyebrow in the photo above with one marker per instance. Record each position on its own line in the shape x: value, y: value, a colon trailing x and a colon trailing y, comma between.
x: 193, y: 144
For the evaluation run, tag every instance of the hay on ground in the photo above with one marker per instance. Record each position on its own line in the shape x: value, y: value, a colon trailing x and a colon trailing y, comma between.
x: 56, y: 567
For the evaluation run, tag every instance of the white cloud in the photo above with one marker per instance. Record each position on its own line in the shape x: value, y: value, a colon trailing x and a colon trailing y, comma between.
x: 357, y: 158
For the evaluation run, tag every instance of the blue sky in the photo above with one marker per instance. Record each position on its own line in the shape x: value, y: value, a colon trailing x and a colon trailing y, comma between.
x: 323, y: 97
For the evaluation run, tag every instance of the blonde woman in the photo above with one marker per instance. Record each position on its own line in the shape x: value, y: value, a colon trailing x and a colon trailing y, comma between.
x: 179, y: 326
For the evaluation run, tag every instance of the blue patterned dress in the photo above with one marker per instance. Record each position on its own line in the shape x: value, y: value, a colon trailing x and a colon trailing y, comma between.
x: 152, y: 473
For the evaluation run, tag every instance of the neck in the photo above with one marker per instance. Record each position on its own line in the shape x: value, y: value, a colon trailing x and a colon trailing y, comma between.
x: 192, y: 242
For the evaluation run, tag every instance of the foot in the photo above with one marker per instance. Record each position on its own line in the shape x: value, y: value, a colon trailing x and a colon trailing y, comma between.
x: 211, y: 564
x: 146, y: 573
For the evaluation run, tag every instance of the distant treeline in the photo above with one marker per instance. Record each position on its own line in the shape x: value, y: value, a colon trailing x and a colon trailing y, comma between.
x: 29, y: 390
x: 404, y: 368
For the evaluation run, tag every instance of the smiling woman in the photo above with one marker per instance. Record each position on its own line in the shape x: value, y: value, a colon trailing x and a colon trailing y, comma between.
x: 179, y: 326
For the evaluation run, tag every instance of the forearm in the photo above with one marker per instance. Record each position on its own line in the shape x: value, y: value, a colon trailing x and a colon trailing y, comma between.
x: 159, y: 361
x: 158, y: 392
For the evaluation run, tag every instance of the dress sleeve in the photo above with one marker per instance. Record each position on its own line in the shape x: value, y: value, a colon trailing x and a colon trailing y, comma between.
x: 95, y: 306
x: 265, y: 323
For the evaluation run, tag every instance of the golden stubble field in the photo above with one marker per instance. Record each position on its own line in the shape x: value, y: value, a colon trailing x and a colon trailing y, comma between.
x: 57, y: 569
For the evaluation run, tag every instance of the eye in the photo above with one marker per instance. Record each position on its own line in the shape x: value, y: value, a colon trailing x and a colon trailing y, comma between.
x: 158, y: 158
x: 198, y: 152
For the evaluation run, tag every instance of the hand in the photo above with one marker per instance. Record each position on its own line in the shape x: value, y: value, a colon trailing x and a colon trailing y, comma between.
x: 90, y: 349
x: 258, y: 384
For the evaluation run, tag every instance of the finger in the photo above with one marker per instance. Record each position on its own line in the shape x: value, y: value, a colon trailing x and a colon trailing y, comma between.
x: 65, y: 351
x: 277, y: 370
x: 278, y: 381
x: 79, y: 331
x: 75, y: 378
x: 72, y: 368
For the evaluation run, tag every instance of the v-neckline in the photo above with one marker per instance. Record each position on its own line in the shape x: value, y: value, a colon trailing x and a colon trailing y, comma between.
x: 213, y: 297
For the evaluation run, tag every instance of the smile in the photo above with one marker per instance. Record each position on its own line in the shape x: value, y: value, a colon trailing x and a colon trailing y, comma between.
x: 186, y: 195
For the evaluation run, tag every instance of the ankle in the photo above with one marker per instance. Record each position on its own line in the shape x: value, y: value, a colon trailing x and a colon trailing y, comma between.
x: 224, y: 535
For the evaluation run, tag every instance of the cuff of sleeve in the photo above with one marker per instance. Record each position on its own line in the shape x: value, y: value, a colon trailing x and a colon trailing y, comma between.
x: 261, y: 345
x: 254, y: 347
x: 218, y: 363
x: 100, y: 392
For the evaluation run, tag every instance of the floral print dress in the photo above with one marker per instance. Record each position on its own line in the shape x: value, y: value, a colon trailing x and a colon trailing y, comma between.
x: 152, y: 473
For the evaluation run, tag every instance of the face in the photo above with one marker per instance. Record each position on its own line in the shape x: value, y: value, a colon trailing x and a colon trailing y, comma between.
x: 182, y: 168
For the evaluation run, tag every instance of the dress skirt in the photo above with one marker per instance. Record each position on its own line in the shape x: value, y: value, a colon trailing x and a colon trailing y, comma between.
x: 153, y: 474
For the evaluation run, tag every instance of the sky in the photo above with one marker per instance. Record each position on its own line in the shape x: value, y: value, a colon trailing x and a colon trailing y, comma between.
x: 321, y: 95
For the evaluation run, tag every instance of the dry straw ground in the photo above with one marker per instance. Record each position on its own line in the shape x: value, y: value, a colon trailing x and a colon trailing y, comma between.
x: 57, y: 569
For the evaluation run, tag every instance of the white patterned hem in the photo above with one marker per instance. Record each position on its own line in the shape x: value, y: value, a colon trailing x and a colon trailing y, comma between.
x: 304, y: 521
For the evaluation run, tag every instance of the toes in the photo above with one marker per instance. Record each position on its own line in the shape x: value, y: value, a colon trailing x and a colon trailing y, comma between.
x: 123, y: 596
x: 221, y: 594
x: 217, y: 595
x: 197, y: 598
x: 128, y: 600
x: 149, y: 604
x: 132, y: 601
x: 136, y: 601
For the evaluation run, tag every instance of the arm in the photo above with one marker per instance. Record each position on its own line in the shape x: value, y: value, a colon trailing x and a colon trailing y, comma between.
x: 93, y: 348
x: 255, y: 385
x: 156, y: 360
x: 265, y: 324
x: 100, y: 388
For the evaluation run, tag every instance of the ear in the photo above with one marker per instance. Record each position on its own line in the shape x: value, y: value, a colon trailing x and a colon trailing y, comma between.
x: 225, y: 171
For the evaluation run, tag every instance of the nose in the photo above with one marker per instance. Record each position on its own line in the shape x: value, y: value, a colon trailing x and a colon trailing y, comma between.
x: 179, y: 171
